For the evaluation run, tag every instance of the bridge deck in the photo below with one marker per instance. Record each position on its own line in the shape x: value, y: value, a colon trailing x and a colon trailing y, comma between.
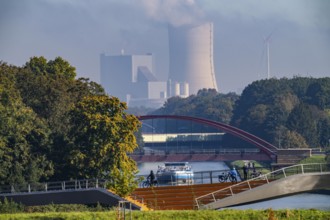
x: 282, y: 187
x: 286, y: 181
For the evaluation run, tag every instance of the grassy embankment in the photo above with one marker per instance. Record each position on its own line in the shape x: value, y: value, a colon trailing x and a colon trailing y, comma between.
x: 265, y: 167
x: 164, y: 215
x: 314, y: 159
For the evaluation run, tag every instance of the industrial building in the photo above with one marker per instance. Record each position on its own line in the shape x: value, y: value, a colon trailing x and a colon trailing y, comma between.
x: 191, y: 56
x: 131, y: 77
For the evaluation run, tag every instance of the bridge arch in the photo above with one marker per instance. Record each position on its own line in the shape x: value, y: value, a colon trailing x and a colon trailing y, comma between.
x: 263, y: 145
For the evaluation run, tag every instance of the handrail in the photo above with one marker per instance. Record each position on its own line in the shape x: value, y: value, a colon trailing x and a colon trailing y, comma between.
x: 137, y: 198
x: 274, y: 175
x: 54, y: 186
x: 199, y: 177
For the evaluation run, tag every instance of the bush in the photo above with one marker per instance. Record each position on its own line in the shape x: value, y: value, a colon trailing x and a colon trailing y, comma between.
x: 66, y: 208
x: 10, y: 206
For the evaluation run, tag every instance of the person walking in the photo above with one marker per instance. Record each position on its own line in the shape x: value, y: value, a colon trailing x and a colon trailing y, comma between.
x: 245, y: 171
x: 234, y: 174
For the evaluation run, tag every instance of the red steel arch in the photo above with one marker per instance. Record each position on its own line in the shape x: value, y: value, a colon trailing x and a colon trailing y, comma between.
x: 263, y: 145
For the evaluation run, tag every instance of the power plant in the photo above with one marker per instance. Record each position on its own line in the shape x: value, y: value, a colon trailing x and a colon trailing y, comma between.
x: 131, y: 79
x: 191, y: 68
x: 191, y: 56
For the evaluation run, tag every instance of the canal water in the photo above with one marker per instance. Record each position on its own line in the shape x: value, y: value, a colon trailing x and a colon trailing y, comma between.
x: 299, y: 201
x: 144, y: 168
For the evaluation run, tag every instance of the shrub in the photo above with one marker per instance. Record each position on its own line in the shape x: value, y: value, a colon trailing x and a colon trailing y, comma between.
x: 10, y: 206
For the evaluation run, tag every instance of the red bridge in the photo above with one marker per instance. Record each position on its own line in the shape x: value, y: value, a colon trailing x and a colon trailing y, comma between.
x: 281, y: 156
x: 263, y: 145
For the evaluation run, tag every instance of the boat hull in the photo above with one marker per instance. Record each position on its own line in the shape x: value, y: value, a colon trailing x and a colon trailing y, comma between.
x: 177, y: 176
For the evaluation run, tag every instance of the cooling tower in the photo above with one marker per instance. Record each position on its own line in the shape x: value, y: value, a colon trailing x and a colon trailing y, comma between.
x: 191, y: 56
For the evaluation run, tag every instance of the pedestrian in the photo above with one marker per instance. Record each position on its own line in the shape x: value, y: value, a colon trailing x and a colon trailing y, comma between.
x: 234, y: 174
x: 245, y: 171
x: 151, y: 178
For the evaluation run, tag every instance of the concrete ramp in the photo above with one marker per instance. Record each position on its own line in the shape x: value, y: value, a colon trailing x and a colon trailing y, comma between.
x: 286, y: 181
x: 80, y: 196
x: 282, y: 187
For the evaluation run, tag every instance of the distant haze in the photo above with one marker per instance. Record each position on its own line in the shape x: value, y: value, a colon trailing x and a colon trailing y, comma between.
x: 80, y: 30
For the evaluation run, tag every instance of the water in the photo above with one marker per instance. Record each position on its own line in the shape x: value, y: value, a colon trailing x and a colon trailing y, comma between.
x: 299, y: 201
x: 144, y: 168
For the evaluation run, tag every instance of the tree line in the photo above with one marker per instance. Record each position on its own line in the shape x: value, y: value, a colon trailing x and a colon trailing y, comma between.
x: 56, y: 127
x: 289, y: 113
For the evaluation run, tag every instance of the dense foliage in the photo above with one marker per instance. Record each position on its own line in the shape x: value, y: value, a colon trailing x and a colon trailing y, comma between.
x: 208, y: 103
x: 56, y: 127
x: 289, y: 113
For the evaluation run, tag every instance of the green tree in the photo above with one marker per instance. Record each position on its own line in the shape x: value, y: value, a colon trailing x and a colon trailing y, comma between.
x: 23, y: 136
x: 324, y: 134
x: 292, y: 139
x: 208, y: 103
x: 57, y: 67
x: 101, y: 136
x: 318, y: 93
x: 49, y: 88
x: 297, y: 104
x: 301, y: 121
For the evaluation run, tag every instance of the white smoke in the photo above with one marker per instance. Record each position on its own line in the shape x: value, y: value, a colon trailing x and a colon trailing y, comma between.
x: 175, y: 12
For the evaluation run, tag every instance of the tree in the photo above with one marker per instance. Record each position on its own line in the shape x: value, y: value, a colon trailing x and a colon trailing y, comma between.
x: 57, y: 67
x: 100, y: 137
x: 318, y: 93
x: 208, y: 103
x: 23, y: 136
x: 324, y: 132
x: 289, y: 139
x: 301, y: 121
x: 297, y: 104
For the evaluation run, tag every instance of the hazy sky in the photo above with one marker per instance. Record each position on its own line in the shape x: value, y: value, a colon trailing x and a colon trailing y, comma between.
x: 80, y: 30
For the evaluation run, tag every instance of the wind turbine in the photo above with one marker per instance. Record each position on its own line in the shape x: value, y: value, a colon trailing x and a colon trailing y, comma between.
x: 267, y: 41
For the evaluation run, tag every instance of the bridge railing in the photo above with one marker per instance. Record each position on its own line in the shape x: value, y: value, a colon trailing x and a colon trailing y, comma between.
x: 200, y: 177
x: 202, y: 201
x: 53, y: 186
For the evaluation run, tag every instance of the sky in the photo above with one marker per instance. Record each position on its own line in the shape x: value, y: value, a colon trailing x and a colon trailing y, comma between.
x: 297, y: 32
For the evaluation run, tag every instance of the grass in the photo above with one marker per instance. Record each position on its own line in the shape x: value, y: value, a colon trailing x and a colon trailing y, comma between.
x: 260, y: 166
x: 314, y: 159
x: 164, y: 215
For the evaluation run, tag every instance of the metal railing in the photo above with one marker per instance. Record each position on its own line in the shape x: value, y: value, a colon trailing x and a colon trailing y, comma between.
x: 54, y: 186
x: 188, y: 150
x: 137, y: 198
x: 200, y: 177
x: 261, y: 180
